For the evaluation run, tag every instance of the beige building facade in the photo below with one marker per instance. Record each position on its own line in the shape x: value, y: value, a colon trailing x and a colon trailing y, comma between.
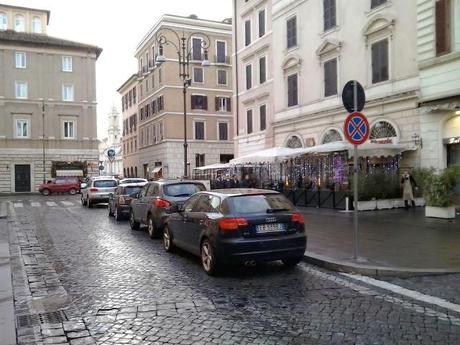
x: 253, y: 75
x: 47, y: 101
x: 209, y: 120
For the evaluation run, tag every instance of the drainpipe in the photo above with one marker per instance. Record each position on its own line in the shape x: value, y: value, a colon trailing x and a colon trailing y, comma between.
x: 235, y: 47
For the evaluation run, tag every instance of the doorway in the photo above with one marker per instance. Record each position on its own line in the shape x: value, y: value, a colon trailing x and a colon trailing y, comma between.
x: 22, y: 178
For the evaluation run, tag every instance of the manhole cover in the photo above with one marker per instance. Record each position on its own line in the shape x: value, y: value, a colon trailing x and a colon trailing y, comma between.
x: 37, y: 319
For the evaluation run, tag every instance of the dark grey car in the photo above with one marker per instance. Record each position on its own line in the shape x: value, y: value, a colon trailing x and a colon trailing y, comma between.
x: 150, y: 205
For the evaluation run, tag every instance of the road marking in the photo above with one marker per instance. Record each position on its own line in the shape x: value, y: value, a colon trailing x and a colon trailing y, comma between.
x: 51, y: 203
x: 67, y: 203
x: 364, y: 290
x: 18, y: 204
x: 406, y: 292
x: 35, y: 204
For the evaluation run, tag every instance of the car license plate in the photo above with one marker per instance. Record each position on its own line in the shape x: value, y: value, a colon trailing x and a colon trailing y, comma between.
x: 265, y: 228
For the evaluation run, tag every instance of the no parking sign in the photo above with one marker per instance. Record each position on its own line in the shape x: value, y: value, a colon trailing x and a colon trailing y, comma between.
x: 356, y: 128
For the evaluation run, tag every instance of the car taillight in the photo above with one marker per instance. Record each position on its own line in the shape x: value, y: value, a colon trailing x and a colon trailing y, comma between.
x: 232, y: 224
x: 93, y: 189
x: 121, y: 200
x: 297, y: 218
x: 160, y: 203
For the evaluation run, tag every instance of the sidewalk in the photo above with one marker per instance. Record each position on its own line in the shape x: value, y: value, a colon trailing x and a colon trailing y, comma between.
x: 391, y: 240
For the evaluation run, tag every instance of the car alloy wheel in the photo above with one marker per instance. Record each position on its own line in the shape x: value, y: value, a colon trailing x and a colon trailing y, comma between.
x: 167, y: 240
x: 72, y: 191
x: 132, y: 222
x: 46, y: 192
x: 151, y: 227
x: 208, y: 259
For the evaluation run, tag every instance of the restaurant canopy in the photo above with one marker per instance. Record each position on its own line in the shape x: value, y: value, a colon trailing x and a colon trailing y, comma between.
x: 271, y: 155
x: 215, y: 166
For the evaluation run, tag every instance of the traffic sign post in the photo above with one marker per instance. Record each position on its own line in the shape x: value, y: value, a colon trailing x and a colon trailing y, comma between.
x: 356, y: 131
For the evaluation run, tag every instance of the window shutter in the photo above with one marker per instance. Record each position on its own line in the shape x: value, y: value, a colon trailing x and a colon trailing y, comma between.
x: 193, y: 101
x: 217, y: 103
x: 229, y: 104
x: 384, y: 60
x: 205, y: 102
x: 442, y: 26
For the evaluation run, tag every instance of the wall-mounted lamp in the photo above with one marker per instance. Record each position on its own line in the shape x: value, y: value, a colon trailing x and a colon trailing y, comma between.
x: 417, y: 140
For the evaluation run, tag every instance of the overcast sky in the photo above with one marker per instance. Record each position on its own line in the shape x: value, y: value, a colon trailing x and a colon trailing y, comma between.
x: 117, y: 27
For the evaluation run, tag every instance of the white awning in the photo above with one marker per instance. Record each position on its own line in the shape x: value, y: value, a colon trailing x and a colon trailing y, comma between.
x: 156, y: 170
x: 215, y: 166
x: 69, y: 172
x: 265, y: 156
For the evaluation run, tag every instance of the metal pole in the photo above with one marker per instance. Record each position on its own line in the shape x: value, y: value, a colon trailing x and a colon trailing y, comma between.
x: 185, y: 129
x: 43, y: 141
x: 355, y: 180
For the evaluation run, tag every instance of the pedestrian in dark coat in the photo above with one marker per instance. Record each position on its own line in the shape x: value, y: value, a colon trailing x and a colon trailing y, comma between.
x: 246, y: 182
x: 234, y: 183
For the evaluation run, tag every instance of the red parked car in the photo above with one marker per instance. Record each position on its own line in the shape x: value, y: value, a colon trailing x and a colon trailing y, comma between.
x: 69, y: 185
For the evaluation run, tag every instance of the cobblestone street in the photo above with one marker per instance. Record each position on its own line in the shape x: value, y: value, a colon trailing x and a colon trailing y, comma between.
x: 80, y: 277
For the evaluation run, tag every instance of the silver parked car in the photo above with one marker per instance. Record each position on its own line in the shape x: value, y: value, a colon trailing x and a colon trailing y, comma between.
x: 98, y: 190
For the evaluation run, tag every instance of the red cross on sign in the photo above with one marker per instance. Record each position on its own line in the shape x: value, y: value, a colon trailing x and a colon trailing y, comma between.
x: 356, y: 128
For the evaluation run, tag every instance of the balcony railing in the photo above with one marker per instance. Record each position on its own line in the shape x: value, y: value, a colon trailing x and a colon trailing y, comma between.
x: 222, y: 59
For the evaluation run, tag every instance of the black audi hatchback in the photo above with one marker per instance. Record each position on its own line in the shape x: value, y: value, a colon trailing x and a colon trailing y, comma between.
x: 235, y: 226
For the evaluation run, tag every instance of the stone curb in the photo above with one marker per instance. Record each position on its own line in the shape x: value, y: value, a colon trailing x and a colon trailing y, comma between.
x: 348, y: 266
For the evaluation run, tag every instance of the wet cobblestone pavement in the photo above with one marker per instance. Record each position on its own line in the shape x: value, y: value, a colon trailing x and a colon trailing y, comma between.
x: 80, y: 277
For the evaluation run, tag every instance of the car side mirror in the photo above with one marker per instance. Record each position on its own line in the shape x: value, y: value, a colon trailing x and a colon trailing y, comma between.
x: 83, y: 185
x: 175, y: 209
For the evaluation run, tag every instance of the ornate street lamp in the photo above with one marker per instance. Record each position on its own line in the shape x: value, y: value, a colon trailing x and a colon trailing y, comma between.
x: 184, y: 52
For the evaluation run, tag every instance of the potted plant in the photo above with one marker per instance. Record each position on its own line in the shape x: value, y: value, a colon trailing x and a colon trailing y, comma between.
x: 438, y: 191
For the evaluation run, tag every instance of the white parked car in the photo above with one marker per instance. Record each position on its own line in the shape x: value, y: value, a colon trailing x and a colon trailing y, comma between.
x: 98, y: 190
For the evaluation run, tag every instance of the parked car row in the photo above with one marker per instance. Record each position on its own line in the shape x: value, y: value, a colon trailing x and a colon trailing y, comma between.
x: 220, y: 226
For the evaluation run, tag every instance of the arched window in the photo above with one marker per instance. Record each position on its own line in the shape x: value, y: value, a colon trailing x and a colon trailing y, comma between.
x: 294, y: 142
x: 19, y: 23
x: 37, y: 25
x: 382, y: 130
x: 331, y: 136
x: 3, y: 21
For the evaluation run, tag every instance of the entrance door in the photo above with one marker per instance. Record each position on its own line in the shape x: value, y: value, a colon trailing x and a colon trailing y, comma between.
x: 22, y: 178
x: 453, y: 158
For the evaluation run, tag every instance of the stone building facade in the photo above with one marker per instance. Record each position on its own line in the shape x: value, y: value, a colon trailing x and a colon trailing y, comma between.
x: 47, y: 101
x: 160, y: 119
x: 110, y: 148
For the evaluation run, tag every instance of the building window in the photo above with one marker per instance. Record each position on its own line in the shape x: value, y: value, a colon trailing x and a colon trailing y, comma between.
x: 223, y: 131
x: 382, y: 130
x: 196, y: 49
x: 262, y: 70
x: 21, y: 89
x: 443, y: 26
x: 222, y: 77
x: 261, y: 23
x: 159, y: 76
x: 263, y: 117
x: 248, y: 77
x: 67, y: 64
x: 223, y: 104
x: 199, y: 102
x: 375, y: 3
x: 69, y: 130
x: 249, y: 120
x: 331, y: 136
x: 221, y: 55
x: 160, y: 103
x: 329, y: 14
x: 67, y: 93
x: 21, y: 60
x: 22, y: 128
x: 197, y: 75
x: 36, y: 25
x: 292, y: 90
x: 19, y: 23
x: 199, y: 160
x: 380, y: 61
x: 330, y: 78
x: 199, y: 130
x: 294, y: 142
x: 247, y: 32
x: 291, y: 32
x: 3, y: 21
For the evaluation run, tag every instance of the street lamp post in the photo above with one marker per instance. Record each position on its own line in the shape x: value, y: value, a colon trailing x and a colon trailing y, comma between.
x: 184, y: 53
x: 43, y: 140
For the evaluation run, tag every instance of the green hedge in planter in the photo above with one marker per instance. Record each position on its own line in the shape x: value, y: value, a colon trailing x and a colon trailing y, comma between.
x: 378, y: 185
x: 438, y: 189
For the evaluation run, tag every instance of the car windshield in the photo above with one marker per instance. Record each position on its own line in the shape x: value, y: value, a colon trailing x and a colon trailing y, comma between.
x: 261, y: 203
x: 131, y: 190
x: 105, y: 183
x: 182, y: 189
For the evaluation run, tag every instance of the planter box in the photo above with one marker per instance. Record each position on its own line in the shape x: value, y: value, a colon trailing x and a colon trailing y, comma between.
x: 385, y: 204
x: 440, y: 212
x: 419, y: 202
x: 367, y: 205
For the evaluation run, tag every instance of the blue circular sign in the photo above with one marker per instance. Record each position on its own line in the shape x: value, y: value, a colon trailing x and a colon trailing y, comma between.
x: 356, y: 128
x: 111, y: 153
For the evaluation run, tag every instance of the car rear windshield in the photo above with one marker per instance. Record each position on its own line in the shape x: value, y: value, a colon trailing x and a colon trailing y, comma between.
x: 105, y: 183
x: 182, y: 189
x: 260, y: 203
x: 131, y: 190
